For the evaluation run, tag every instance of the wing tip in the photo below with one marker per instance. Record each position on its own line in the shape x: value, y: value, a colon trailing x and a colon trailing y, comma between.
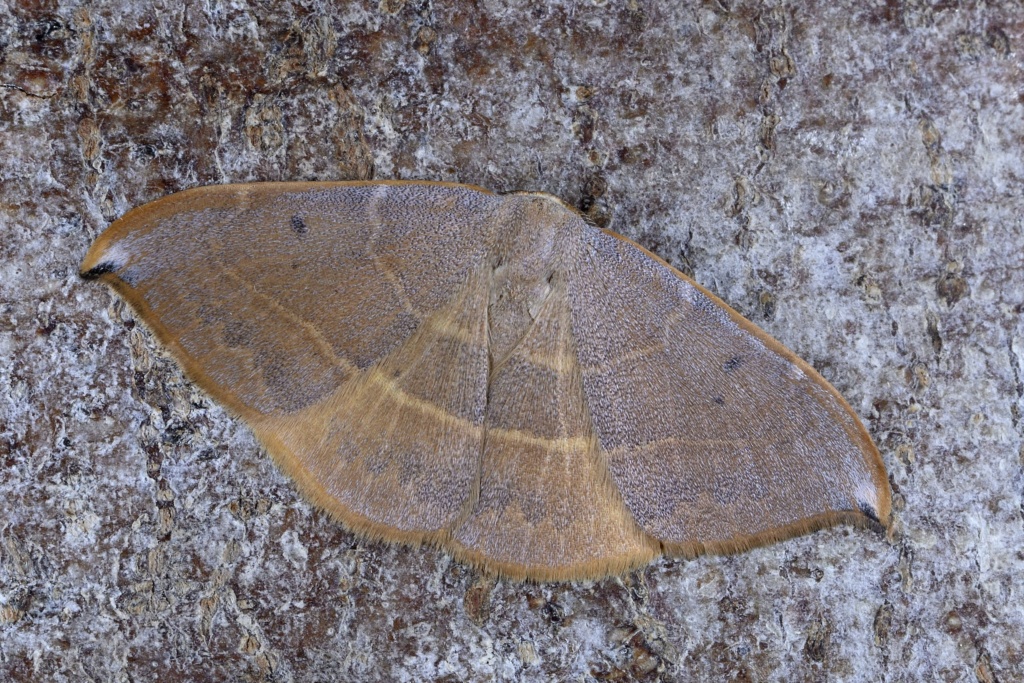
x: 871, y: 513
x: 874, y: 502
x: 87, y: 272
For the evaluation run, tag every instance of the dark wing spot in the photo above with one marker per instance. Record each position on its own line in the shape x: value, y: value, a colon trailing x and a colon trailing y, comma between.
x: 210, y: 315
x: 299, y: 225
x: 719, y: 400
x: 290, y: 384
x: 239, y: 333
x: 732, y: 363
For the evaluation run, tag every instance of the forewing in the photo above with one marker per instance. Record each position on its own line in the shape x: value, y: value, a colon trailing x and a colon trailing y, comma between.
x: 344, y: 322
x: 716, y: 436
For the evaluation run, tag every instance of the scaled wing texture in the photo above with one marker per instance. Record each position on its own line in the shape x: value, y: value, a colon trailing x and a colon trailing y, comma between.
x: 431, y: 362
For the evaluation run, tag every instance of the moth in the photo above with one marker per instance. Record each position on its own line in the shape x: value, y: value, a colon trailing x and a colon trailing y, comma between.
x: 491, y: 374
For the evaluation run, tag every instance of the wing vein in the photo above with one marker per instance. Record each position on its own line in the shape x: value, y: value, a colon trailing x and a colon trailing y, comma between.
x: 388, y: 273
x: 474, y: 494
x: 318, y: 338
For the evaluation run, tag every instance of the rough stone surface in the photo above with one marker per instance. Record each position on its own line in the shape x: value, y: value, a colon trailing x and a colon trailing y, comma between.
x: 846, y: 174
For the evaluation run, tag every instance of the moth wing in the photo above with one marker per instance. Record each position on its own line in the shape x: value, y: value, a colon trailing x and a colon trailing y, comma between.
x: 717, y: 437
x: 546, y: 507
x: 344, y: 322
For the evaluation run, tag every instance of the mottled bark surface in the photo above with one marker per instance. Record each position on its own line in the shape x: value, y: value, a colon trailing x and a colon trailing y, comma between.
x: 846, y: 174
